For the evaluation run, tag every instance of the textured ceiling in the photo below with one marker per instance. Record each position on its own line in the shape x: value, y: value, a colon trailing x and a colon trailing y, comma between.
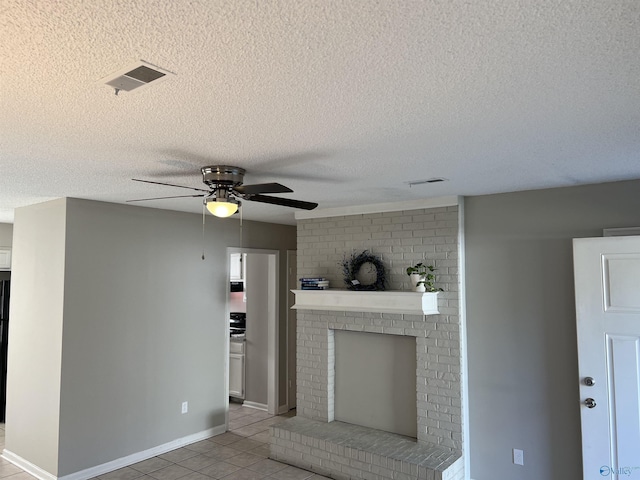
x: 343, y: 101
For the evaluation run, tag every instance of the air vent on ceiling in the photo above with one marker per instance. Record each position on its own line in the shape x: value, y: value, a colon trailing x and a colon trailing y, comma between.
x: 411, y: 183
x: 137, y: 76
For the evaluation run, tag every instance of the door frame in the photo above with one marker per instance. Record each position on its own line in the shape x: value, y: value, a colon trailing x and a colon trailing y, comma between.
x: 273, y: 379
x: 292, y: 347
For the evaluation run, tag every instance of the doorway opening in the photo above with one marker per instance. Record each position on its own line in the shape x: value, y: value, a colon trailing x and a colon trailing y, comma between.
x: 252, y: 366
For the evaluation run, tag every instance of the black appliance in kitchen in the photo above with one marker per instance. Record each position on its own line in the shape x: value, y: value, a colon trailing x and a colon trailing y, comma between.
x: 4, y: 337
x: 237, y: 324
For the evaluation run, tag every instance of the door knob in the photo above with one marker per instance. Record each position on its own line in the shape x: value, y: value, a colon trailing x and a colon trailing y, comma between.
x: 590, y: 402
x: 589, y: 381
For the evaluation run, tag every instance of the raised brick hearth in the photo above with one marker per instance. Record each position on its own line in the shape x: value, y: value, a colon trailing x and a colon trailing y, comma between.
x: 344, y: 451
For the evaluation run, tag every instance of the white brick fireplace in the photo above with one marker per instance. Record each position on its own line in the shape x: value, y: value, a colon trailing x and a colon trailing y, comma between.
x: 313, y: 439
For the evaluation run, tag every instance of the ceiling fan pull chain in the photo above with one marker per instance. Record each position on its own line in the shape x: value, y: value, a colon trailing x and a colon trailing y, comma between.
x: 203, y: 215
x: 240, y: 225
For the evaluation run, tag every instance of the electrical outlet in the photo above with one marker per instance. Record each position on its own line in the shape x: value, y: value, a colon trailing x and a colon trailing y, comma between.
x: 185, y: 407
x: 518, y: 457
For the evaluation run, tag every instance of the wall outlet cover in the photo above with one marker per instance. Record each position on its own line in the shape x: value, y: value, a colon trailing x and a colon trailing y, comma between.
x: 185, y: 407
x: 518, y: 456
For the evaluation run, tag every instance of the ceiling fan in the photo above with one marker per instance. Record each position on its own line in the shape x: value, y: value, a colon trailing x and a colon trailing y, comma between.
x: 226, y: 189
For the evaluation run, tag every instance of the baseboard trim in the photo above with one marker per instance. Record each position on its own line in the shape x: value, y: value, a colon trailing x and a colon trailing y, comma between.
x: 114, y: 464
x: 27, y: 466
x: 256, y: 405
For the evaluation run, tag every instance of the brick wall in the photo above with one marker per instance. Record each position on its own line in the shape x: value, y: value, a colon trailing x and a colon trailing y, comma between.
x: 401, y: 239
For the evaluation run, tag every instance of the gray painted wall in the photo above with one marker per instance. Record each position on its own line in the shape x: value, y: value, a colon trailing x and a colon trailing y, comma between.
x: 6, y: 240
x: 523, y: 373
x: 143, y: 328
x: 6, y: 234
x: 143, y: 332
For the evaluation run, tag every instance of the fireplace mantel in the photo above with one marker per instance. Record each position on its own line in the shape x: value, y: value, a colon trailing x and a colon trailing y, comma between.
x: 367, y: 301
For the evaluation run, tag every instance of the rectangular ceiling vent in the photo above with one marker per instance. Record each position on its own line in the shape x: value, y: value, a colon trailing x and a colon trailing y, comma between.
x: 136, y: 77
x: 411, y: 183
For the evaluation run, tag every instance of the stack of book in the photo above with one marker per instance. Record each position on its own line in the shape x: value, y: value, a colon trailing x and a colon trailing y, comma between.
x: 314, y: 283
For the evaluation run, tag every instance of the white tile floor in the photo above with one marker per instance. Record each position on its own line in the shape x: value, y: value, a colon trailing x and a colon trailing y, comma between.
x: 240, y: 454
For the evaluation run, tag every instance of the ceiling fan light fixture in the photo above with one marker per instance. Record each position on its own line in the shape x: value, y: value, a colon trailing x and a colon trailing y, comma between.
x: 221, y: 207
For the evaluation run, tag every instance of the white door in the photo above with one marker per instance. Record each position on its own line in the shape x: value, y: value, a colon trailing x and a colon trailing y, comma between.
x: 607, y: 281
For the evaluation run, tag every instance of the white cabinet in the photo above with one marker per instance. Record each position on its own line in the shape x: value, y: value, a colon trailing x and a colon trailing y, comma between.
x: 237, y: 270
x: 236, y: 375
x: 5, y: 258
x: 236, y: 369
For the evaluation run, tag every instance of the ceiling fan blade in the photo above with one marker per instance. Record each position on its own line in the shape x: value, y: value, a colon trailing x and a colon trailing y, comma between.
x: 262, y: 188
x: 285, y: 202
x: 170, y: 185
x: 162, y: 198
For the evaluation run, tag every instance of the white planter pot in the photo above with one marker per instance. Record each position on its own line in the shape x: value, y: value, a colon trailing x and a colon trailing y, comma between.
x: 414, y: 278
x: 421, y: 288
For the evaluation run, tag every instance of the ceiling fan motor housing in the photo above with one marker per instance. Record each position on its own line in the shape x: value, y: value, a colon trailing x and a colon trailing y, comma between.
x: 217, y: 175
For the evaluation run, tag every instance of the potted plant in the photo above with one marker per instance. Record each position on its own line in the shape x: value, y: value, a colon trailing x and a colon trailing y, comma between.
x: 423, y: 278
x: 416, y: 273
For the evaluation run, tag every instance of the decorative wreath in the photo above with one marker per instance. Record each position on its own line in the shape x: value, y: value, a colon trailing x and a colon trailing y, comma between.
x: 352, y: 265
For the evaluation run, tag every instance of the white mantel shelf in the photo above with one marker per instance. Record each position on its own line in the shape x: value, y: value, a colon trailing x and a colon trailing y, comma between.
x: 367, y: 301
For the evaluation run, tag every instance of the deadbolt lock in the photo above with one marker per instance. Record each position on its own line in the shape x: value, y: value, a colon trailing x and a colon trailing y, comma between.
x: 589, y: 381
